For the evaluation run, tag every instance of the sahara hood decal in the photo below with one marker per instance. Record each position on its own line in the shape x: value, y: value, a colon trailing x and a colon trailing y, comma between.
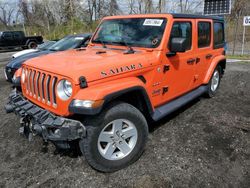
x: 121, y: 69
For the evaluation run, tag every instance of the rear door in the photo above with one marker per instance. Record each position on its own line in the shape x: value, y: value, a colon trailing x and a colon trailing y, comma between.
x: 18, y: 38
x: 179, y: 69
x: 204, y: 48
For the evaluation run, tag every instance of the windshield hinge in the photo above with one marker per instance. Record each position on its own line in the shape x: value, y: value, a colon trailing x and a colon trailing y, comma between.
x: 165, y: 68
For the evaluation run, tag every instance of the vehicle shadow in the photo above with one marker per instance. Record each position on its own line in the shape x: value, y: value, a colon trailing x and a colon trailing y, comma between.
x: 73, y: 151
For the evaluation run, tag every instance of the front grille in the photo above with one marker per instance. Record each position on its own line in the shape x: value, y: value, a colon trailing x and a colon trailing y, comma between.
x: 41, y: 86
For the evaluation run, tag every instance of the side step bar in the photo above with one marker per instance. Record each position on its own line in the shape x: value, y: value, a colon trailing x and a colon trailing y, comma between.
x: 175, y: 104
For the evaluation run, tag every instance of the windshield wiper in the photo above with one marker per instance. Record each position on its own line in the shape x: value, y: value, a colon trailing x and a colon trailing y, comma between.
x: 130, y: 49
x: 102, y: 42
x: 51, y: 49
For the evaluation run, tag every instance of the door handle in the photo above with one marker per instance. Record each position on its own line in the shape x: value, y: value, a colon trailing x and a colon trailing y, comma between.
x: 191, y: 61
x: 197, y: 60
x: 208, y: 56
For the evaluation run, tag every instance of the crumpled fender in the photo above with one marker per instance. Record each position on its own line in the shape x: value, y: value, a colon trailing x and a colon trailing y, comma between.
x: 212, y: 66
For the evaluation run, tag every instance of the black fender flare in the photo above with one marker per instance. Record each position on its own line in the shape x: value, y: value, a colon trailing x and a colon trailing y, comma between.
x: 110, y: 97
x: 30, y: 40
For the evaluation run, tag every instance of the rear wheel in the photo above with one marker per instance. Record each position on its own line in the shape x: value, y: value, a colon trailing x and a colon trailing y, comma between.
x: 32, y: 45
x: 214, y: 82
x: 115, y: 138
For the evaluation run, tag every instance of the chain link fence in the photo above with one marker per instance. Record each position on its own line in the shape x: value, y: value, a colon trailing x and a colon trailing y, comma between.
x: 234, y: 38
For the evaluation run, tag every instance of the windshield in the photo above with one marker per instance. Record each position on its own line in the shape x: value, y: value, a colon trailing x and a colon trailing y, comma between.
x: 66, y: 43
x: 139, y: 32
x: 46, y: 45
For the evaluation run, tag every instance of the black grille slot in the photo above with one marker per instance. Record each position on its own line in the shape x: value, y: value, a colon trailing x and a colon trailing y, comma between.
x: 29, y: 74
x: 48, y: 88
x: 32, y: 82
x: 54, y: 81
x: 42, y: 83
x: 37, y: 84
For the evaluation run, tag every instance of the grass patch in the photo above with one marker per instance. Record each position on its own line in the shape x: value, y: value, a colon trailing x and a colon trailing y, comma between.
x: 241, y: 57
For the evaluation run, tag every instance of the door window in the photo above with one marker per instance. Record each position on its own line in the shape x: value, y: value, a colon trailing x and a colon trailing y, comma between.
x: 218, y: 35
x: 182, y: 30
x: 17, y: 36
x: 7, y: 36
x: 204, y: 34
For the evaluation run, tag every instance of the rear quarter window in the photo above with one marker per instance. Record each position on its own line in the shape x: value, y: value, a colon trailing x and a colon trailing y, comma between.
x: 204, y: 34
x: 219, y: 38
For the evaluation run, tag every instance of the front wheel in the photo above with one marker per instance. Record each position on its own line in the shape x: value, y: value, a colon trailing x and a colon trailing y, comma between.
x: 214, y: 82
x: 115, y: 138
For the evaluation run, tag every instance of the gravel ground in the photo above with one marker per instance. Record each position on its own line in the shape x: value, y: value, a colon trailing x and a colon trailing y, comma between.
x: 205, y: 144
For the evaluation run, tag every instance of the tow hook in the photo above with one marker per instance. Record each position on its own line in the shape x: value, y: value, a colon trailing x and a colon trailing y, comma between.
x: 28, y: 129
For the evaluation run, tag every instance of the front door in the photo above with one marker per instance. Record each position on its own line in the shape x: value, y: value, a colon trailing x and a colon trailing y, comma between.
x: 8, y: 39
x: 179, y: 69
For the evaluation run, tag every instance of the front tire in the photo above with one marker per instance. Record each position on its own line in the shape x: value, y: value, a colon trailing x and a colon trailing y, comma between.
x: 214, y: 82
x: 115, y: 138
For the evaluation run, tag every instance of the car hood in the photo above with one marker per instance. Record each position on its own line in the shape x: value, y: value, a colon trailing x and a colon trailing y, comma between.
x: 92, y: 63
x: 17, y: 62
x: 23, y: 52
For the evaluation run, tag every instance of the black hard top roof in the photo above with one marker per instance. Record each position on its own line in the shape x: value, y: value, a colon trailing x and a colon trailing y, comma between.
x: 197, y: 16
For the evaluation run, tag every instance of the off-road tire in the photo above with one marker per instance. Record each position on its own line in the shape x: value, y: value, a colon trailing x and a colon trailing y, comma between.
x: 94, y: 126
x: 210, y: 93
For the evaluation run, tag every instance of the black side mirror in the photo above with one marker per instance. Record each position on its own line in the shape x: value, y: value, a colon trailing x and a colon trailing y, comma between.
x: 178, y: 45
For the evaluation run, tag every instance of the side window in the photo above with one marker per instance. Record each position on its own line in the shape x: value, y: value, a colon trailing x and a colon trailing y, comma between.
x: 204, y: 34
x: 17, y: 35
x: 7, y: 35
x: 182, y: 30
x: 218, y: 35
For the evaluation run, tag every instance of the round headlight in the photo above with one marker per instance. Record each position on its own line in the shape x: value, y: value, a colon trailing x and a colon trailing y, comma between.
x: 67, y: 88
x: 23, y: 76
x: 64, y: 89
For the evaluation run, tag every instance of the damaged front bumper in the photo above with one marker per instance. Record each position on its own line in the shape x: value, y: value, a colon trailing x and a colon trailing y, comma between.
x: 37, y: 121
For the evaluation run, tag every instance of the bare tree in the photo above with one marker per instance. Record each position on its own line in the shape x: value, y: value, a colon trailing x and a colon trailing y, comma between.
x: 145, y: 6
x: 131, y: 7
x: 189, y: 6
x: 238, y: 10
x: 161, y: 6
x: 6, y: 13
x: 113, y: 8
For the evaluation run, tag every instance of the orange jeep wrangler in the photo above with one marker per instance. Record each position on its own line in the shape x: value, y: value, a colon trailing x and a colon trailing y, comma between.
x: 136, y: 68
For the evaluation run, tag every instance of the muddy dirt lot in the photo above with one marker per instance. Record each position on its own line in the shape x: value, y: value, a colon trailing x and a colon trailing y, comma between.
x: 206, y: 144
